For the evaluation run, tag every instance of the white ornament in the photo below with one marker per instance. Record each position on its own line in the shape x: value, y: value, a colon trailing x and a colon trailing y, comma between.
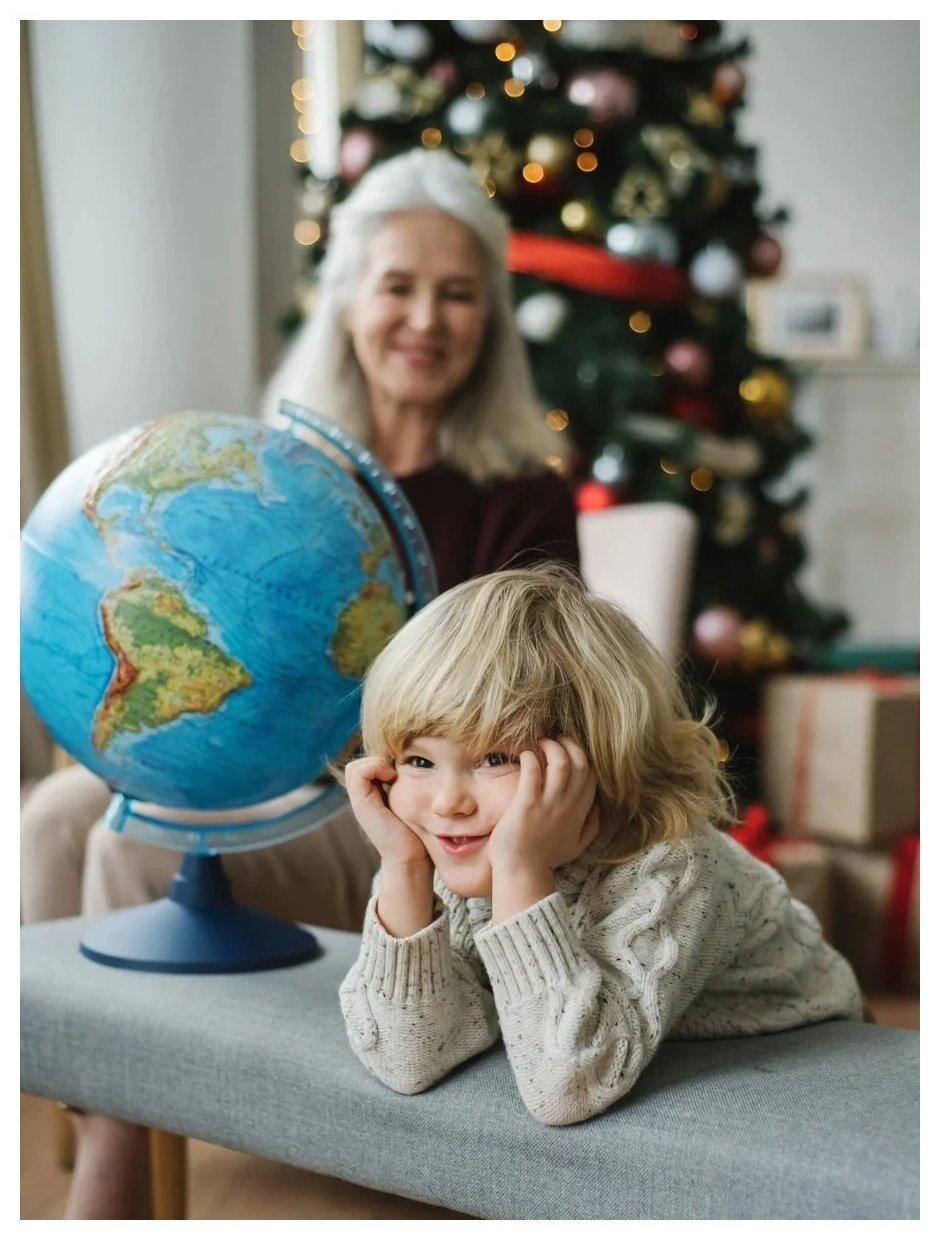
x: 466, y: 116
x: 377, y: 97
x: 715, y: 271
x: 410, y: 41
x: 481, y: 32
x: 540, y: 317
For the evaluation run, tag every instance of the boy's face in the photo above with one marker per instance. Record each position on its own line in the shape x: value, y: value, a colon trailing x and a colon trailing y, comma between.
x: 452, y: 799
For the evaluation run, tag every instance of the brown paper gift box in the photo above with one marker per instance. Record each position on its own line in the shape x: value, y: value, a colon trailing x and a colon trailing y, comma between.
x: 840, y: 756
x: 876, y: 914
x: 807, y: 869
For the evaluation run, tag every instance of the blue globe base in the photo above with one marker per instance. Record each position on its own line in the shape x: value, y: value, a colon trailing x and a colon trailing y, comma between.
x: 198, y: 928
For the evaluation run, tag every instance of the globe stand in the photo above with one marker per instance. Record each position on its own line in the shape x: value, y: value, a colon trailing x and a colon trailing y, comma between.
x: 198, y: 928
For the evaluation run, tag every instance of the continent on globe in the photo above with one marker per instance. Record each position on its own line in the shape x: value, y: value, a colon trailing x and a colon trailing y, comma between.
x: 168, y: 455
x: 365, y: 626
x: 165, y: 666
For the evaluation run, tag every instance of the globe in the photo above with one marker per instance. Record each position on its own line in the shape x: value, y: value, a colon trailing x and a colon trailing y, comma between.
x: 200, y: 599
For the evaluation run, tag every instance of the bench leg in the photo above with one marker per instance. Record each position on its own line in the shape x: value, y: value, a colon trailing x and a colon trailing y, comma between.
x: 63, y: 1136
x: 168, y: 1174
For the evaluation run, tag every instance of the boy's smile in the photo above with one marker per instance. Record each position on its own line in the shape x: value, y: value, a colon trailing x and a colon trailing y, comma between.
x: 452, y: 799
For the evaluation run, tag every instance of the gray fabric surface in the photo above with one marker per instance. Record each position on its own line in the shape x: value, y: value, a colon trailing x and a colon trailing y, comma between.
x: 821, y: 1122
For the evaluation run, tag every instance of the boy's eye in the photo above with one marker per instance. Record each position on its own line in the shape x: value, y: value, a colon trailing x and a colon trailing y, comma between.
x: 498, y: 759
x: 414, y: 759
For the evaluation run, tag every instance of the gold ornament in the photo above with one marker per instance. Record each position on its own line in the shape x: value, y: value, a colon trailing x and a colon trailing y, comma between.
x: 550, y: 150
x: 765, y: 393
x: 640, y: 196
x: 492, y: 159
x: 677, y: 155
x: 704, y: 110
x: 417, y: 95
x: 735, y: 509
x: 779, y: 650
x: 753, y: 638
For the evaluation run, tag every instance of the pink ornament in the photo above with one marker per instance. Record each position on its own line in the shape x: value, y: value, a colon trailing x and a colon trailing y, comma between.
x: 607, y: 94
x: 445, y: 72
x: 689, y: 361
x: 356, y: 152
x: 716, y: 634
x: 764, y: 257
x: 728, y: 83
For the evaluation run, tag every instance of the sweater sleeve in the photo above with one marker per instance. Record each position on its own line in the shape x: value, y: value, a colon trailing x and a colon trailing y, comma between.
x: 415, y: 1007
x: 583, y: 1008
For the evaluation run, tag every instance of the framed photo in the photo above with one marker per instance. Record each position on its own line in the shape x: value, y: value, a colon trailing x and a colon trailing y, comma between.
x: 810, y: 318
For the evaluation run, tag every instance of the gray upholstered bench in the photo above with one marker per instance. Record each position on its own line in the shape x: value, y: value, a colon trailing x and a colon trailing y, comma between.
x: 818, y: 1123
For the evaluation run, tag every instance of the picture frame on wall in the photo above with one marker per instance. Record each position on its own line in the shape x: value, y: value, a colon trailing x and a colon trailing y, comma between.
x: 818, y: 317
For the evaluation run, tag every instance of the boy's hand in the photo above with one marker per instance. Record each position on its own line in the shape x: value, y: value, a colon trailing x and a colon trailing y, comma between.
x: 397, y: 844
x: 553, y: 816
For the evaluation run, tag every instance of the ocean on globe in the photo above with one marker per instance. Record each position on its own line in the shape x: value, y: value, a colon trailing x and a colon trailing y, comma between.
x: 200, y: 598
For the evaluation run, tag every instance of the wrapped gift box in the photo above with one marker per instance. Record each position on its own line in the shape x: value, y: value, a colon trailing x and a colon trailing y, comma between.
x: 876, y: 914
x: 840, y: 756
x: 804, y: 864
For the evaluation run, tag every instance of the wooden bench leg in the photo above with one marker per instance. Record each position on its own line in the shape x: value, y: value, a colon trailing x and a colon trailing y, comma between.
x: 63, y: 1137
x: 168, y: 1174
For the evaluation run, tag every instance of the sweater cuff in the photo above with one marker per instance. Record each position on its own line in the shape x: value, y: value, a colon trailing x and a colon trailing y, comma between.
x: 526, y: 954
x: 409, y: 969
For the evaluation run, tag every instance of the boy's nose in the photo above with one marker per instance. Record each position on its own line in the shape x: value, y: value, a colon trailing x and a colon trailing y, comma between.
x: 453, y: 797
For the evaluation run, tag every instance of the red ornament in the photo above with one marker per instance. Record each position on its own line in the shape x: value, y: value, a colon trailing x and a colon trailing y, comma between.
x: 593, y: 496
x: 591, y: 267
x: 689, y: 361
x: 716, y: 634
x: 698, y: 410
x: 764, y: 257
x: 728, y: 83
x: 357, y: 150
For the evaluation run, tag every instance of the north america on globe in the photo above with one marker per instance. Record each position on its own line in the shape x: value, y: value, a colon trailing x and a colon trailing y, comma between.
x: 165, y: 666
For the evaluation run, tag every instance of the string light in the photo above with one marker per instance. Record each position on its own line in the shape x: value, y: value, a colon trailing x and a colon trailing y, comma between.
x: 587, y: 161
x: 555, y: 463
x: 300, y: 28
x: 574, y: 215
x: 302, y: 89
x: 702, y: 479
x: 557, y: 419
x: 308, y: 124
x: 533, y: 173
x: 300, y: 151
x: 306, y: 232
x: 431, y: 137
x: 584, y: 137
x: 505, y: 51
x: 667, y: 466
x: 688, y: 31
x: 552, y: 26
x: 476, y: 90
x: 513, y: 88
x: 300, y: 105
x: 640, y: 322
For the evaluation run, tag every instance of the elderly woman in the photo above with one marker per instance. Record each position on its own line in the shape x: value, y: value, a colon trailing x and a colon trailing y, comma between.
x: 413, y: 348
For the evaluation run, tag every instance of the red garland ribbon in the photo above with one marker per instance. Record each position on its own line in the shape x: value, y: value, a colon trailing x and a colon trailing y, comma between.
x: 591, y: 268
x: 897, y: 940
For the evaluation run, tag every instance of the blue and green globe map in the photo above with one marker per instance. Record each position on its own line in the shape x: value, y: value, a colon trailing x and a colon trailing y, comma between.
x: 200, y: 600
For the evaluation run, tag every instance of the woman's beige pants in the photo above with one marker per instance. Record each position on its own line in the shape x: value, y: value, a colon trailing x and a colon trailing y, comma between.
x: 71, y: 863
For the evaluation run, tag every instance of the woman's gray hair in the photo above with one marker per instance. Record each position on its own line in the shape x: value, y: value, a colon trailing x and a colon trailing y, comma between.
x: 495, y: 425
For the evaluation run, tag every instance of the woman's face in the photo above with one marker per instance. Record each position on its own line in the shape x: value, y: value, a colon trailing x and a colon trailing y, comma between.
x: 419, y: 311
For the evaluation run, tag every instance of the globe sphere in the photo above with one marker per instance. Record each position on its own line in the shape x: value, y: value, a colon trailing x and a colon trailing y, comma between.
x: 201, y: 597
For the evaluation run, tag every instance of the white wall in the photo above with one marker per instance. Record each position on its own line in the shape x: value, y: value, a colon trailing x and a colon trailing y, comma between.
x: 146, y: 150
x: 834, y: 108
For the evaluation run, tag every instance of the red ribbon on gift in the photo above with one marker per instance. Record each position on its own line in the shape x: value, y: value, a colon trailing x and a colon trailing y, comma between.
x: 754, y: 832
x: 897, y: 940
x: 591, y: 267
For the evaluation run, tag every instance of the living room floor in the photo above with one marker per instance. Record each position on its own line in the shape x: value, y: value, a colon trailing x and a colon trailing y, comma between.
x: 225, y: 1184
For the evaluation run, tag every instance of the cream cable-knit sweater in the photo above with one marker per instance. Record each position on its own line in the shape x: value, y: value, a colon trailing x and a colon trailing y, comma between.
x: 690, y: 939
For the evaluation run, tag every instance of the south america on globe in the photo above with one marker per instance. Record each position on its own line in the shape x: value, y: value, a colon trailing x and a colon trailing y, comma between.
x: 201, y: 597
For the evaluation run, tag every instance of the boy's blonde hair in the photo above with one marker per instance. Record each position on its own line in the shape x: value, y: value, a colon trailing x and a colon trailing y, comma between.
x: 505, y: 659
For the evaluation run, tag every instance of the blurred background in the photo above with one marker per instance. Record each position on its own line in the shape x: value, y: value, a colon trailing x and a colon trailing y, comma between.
x: 715, y: 251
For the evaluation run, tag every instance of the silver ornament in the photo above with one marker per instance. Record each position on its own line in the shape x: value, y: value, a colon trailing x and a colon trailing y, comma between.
x: 466, y: 117
x: 715, y: 271
x: 648, y: 240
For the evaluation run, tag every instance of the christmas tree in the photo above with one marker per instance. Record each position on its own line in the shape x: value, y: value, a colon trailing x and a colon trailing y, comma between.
x: 612, y: 146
